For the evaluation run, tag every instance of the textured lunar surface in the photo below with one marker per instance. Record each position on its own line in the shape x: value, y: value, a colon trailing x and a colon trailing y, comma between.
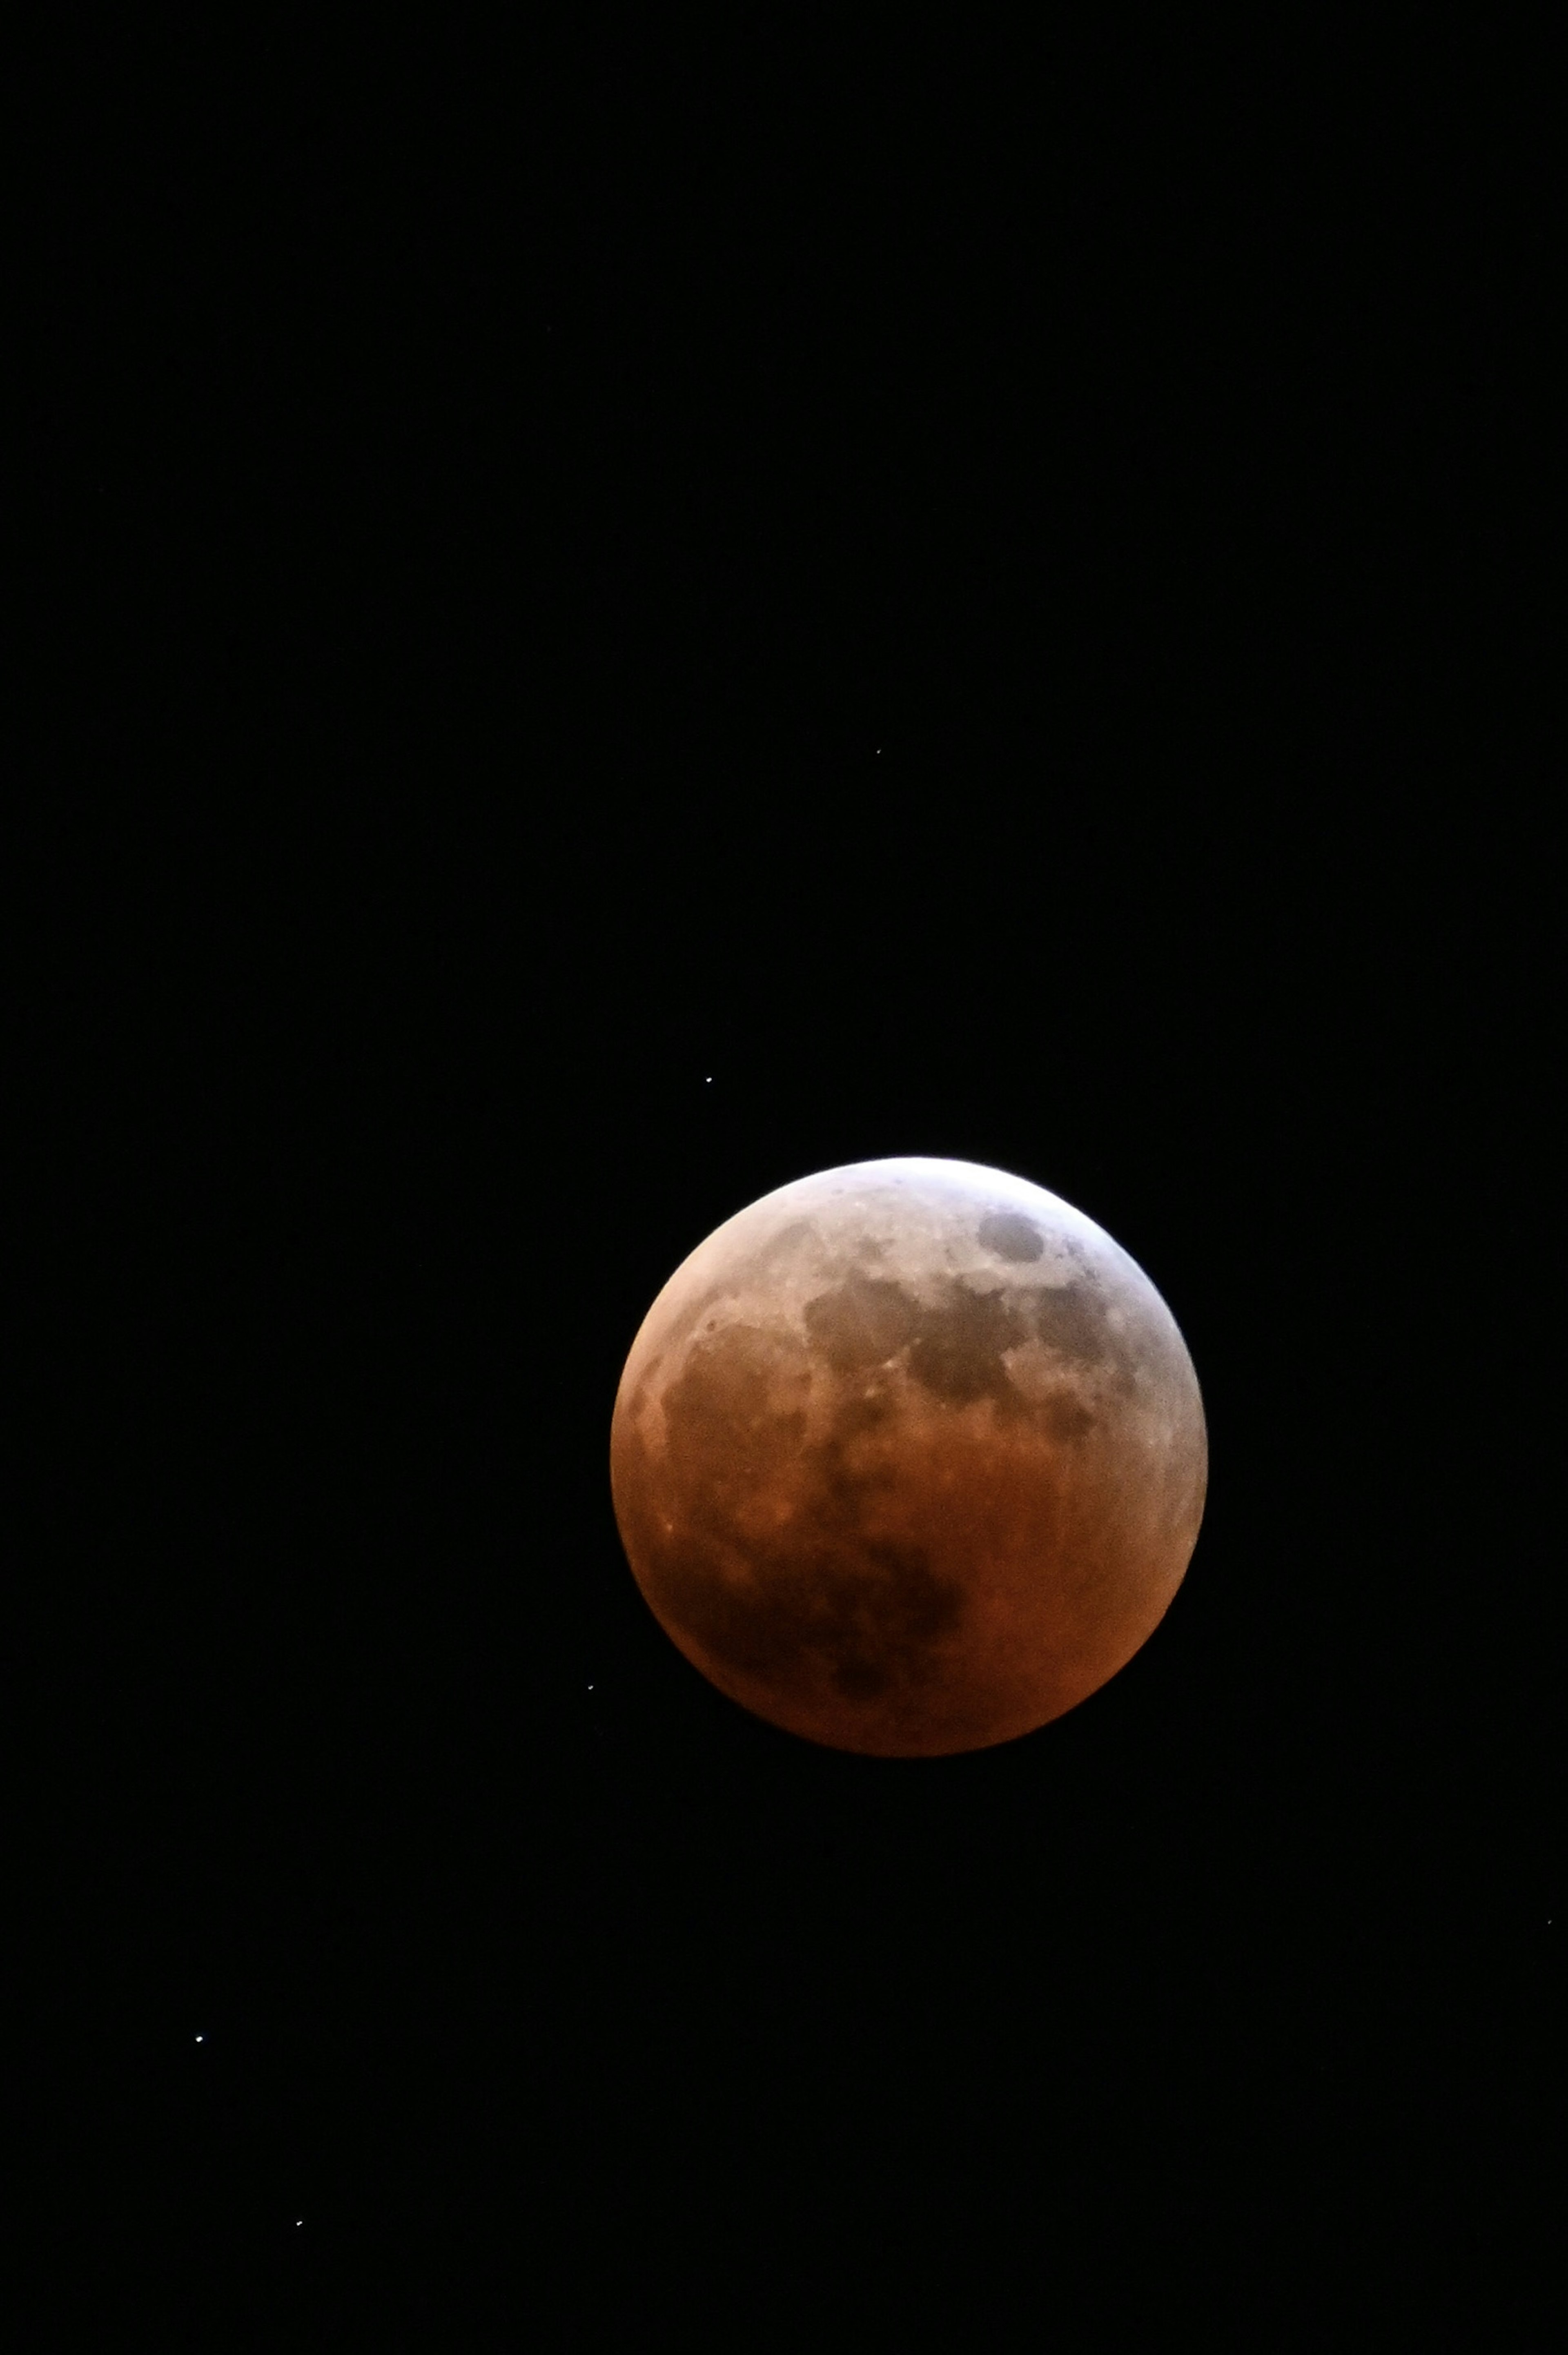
x: 909, y: 1457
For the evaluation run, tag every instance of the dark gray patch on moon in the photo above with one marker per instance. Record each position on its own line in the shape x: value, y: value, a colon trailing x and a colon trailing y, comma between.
x: 955, y: 1344
x: 1010, y: 1236
x: 957, y: 1352
x: 862, y: 1323
x: 1071, y: 1319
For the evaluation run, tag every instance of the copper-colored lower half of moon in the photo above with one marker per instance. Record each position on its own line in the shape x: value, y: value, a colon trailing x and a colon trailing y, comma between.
x: 895, y: 1572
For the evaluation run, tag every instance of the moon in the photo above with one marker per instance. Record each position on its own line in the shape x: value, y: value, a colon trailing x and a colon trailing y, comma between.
x: 909, y: 1457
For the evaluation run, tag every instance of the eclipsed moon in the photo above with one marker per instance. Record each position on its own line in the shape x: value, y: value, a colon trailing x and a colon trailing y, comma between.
x: 909, y: 1457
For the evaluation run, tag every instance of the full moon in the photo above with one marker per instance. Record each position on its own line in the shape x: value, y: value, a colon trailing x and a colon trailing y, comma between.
x: 909, y: 1457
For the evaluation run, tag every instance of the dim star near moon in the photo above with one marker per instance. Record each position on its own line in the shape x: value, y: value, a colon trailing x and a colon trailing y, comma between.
x: 909, y: 1457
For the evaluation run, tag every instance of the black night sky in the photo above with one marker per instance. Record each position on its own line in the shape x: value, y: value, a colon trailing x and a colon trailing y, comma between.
x: 626, y: 621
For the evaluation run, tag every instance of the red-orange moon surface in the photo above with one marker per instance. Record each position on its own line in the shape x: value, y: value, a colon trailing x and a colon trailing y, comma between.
x: 909, y: 1457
